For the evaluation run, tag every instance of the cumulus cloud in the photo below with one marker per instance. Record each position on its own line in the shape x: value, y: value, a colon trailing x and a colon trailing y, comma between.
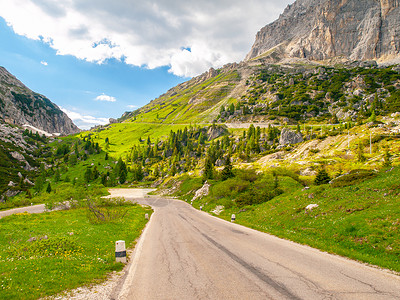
x: 84, y: 121
x: 44, y: 63
x: 189, y: 36
x: 104, y: 97
x: 132, y: 106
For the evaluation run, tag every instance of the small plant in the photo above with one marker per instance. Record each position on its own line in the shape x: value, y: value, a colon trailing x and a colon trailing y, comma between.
x: 387, y: 159
x: 104, y: 210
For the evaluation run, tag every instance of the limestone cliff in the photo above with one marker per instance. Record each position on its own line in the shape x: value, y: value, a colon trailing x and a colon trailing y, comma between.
x: 324, y: 29
x: 21, y: 106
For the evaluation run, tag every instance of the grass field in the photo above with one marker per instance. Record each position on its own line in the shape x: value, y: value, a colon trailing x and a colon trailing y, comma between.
x: 122, y: 136
x: 76, y: 251
x: 361, y: 221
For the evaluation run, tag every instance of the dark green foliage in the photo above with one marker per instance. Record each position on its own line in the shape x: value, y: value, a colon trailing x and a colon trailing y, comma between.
x: 322, y: 177
x: 88, y: 174
x: 353, y: 177
x: 227, y: 170
x: 121, y: 171
x: 247, y: 188
x: 137, y: 172
x: 208, y: 172
x: 48, y: 189
x: 360, y: 152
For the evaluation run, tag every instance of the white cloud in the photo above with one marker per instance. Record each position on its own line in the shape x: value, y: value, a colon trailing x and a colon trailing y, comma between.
x: 104, y: 97
x: 145, y: 33
x: 44, y: 63
x: 132, y: 106
x: 84, y: 121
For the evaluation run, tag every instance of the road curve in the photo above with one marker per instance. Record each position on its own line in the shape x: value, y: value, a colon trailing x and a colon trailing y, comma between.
x: 187, y: 254
x: 34, y: 209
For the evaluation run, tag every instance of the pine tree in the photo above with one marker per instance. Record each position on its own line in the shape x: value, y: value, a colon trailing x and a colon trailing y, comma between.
x: 322, y: 177
x: 360, y: 152
x: 48, y: 189
x: 88, y: 174
x: 122, y: 172
x: 208, y: 169
x: 227, y: 170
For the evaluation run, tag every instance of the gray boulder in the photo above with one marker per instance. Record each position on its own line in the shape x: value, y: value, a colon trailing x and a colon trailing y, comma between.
x: 289, y: 137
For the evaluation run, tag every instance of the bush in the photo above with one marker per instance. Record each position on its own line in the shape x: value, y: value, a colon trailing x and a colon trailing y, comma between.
x: 353, y: 177
x: 104, y: 210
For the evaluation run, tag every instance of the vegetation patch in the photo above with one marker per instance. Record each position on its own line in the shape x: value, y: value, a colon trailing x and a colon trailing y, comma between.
x: 351, y: 178
x: 45, y: 254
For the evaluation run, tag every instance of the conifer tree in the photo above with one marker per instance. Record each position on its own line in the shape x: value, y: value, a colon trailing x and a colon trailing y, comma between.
x: 48, y: 189
x: 122, y: 172
x: 322, y: 177
x: 227, y: 170
x: 208, y: 169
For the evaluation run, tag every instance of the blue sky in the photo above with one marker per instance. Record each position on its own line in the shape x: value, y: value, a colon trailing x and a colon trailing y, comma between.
x: 74, y: 84
x: 97, y: 59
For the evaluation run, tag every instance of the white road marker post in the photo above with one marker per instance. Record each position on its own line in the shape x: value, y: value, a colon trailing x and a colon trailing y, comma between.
x: 146, y: 216
x: 233, y: 218
x: 120, y: 252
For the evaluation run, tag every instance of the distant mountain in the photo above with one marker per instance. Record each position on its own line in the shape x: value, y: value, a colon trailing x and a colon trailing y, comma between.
x: 324, y: 29
x: 21, y: 106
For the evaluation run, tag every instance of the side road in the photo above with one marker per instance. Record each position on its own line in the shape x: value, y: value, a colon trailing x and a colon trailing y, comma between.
x: 34, y: 209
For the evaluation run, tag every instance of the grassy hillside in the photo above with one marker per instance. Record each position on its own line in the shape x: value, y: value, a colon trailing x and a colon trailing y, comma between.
x: 258, y: 92
x: 190, y: 102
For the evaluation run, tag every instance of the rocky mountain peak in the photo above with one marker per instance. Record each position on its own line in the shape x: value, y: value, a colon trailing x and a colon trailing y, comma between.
x: 324, y: 29
x: 21, y: 106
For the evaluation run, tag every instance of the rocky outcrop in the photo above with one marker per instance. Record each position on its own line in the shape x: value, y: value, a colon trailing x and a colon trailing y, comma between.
x: 21, y: 106
x: 290, y: 137
x: 324, y: 29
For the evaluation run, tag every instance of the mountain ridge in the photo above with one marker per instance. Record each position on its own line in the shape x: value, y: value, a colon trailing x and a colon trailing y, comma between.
x: 21, y: 106
x: 320, y: 30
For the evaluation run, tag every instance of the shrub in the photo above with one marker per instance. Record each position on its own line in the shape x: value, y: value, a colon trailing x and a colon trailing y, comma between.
x: 353, y: 177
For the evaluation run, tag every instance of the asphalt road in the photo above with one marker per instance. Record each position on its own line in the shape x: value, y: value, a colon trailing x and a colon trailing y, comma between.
x: 187, y: 254
x: 34, y: 209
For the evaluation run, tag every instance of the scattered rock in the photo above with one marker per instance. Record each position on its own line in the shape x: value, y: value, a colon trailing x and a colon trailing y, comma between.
x: 289, y: 136
x: 310, y: 207
x: 214, y: 132
x: 32, y: 239
x: 17, y: 155
x: 308, y: 172
x: 218, y: 209
x: 27, y: 181
x: 203, y: 191
x: 219, y: 162
x: 311, y: 196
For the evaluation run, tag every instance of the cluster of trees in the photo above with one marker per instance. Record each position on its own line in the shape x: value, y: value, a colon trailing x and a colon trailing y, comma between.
x: 185, y: 149
x: 301, y: 96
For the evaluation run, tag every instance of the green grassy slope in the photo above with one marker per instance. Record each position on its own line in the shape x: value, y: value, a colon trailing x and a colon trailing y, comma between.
x: 185, y: 103
x: 360, y: 221
x: 69, y: 250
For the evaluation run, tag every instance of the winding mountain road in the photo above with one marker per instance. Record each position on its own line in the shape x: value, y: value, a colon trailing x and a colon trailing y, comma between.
x: 188, y: 254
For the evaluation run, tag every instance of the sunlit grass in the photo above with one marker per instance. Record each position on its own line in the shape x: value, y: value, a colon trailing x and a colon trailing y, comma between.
x: 76, y: 252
